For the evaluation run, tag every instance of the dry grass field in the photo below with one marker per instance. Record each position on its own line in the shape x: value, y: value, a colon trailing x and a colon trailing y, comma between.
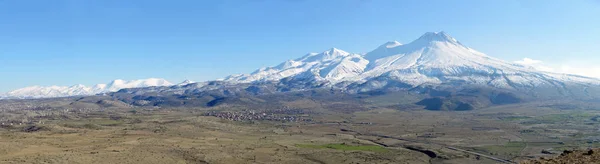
x: 182, y: 137
x: 321, y: 132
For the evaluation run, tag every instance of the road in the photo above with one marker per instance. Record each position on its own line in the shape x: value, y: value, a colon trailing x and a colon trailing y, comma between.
x: 427, y: 152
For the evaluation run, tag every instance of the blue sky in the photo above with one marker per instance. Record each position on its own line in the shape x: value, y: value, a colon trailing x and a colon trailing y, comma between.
x: 67, y: 42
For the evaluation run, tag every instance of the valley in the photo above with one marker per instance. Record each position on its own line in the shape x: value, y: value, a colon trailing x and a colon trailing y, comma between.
x: 367, y: 129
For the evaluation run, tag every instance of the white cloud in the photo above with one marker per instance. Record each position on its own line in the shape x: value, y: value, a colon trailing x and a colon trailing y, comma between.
x: 544, y: 68
x: 576, y: 68
x: 537, y: 64
x: 591, y: 71
x: 528, y: 61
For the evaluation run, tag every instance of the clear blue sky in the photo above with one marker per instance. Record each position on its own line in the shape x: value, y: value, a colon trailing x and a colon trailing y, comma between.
x: 66, y: 42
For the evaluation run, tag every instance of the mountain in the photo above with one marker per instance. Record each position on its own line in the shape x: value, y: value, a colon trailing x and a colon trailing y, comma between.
x: 332, y: 65
x: 446, y: 73
x: 81, y: 90
x: 435, y: 71
x: 435, y: 59
x: 186, y: 82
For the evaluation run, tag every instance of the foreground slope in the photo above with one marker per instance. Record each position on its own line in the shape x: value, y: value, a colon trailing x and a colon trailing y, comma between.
x: 577, y: 156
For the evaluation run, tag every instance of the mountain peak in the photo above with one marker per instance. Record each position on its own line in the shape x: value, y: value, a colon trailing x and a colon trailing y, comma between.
x: 117, y: 82
x: 77, y: 86
x: 329, y: 54
x: 77, y: 90
x: 334, y: 50
x: 186, y: 82
x: 391, y: 44
x: 436, y: 37
x: 383, y: 51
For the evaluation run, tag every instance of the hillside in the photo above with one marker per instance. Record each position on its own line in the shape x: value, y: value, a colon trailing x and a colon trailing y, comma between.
x: 571, y: 157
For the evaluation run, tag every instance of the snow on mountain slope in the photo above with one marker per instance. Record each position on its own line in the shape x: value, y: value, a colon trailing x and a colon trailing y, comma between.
x: 120, y: 84
x: 434, y: 51
x: 438, y: 58
x: 79, y: 90
x: 186, y: 82
x: 434, y: 58
x: 332, y: 65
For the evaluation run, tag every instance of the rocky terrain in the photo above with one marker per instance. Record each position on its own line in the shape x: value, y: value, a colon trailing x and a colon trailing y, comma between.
x: 571, y: 157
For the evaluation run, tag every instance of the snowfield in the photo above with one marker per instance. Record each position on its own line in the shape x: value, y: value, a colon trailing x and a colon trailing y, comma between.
x: 434, y: 58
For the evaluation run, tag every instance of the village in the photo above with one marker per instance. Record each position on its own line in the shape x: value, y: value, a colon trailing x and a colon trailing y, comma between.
x: 283, y: 115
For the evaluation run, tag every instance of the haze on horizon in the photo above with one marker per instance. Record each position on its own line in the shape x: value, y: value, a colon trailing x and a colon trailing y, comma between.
x: 82, y: 42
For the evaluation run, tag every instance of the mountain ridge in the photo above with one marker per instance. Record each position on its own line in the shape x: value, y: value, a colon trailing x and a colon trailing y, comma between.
x: 82, y: 90
x: 435, y: 59
x: 435, y: 72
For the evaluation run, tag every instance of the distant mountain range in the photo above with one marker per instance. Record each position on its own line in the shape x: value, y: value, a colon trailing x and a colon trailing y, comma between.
x: 434, y: 60
x: 80, y: 90
x: 435, y: 72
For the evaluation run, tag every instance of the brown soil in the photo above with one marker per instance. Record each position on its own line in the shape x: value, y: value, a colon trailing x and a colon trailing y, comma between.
x: 571, y: 157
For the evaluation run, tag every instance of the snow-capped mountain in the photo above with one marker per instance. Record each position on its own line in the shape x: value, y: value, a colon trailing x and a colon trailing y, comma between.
x: 444, y: 73
x: 333, y: 64
x: 80, y: 90
x: 435, y: 58
x: 186, y: 82
x: 438, y: 58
